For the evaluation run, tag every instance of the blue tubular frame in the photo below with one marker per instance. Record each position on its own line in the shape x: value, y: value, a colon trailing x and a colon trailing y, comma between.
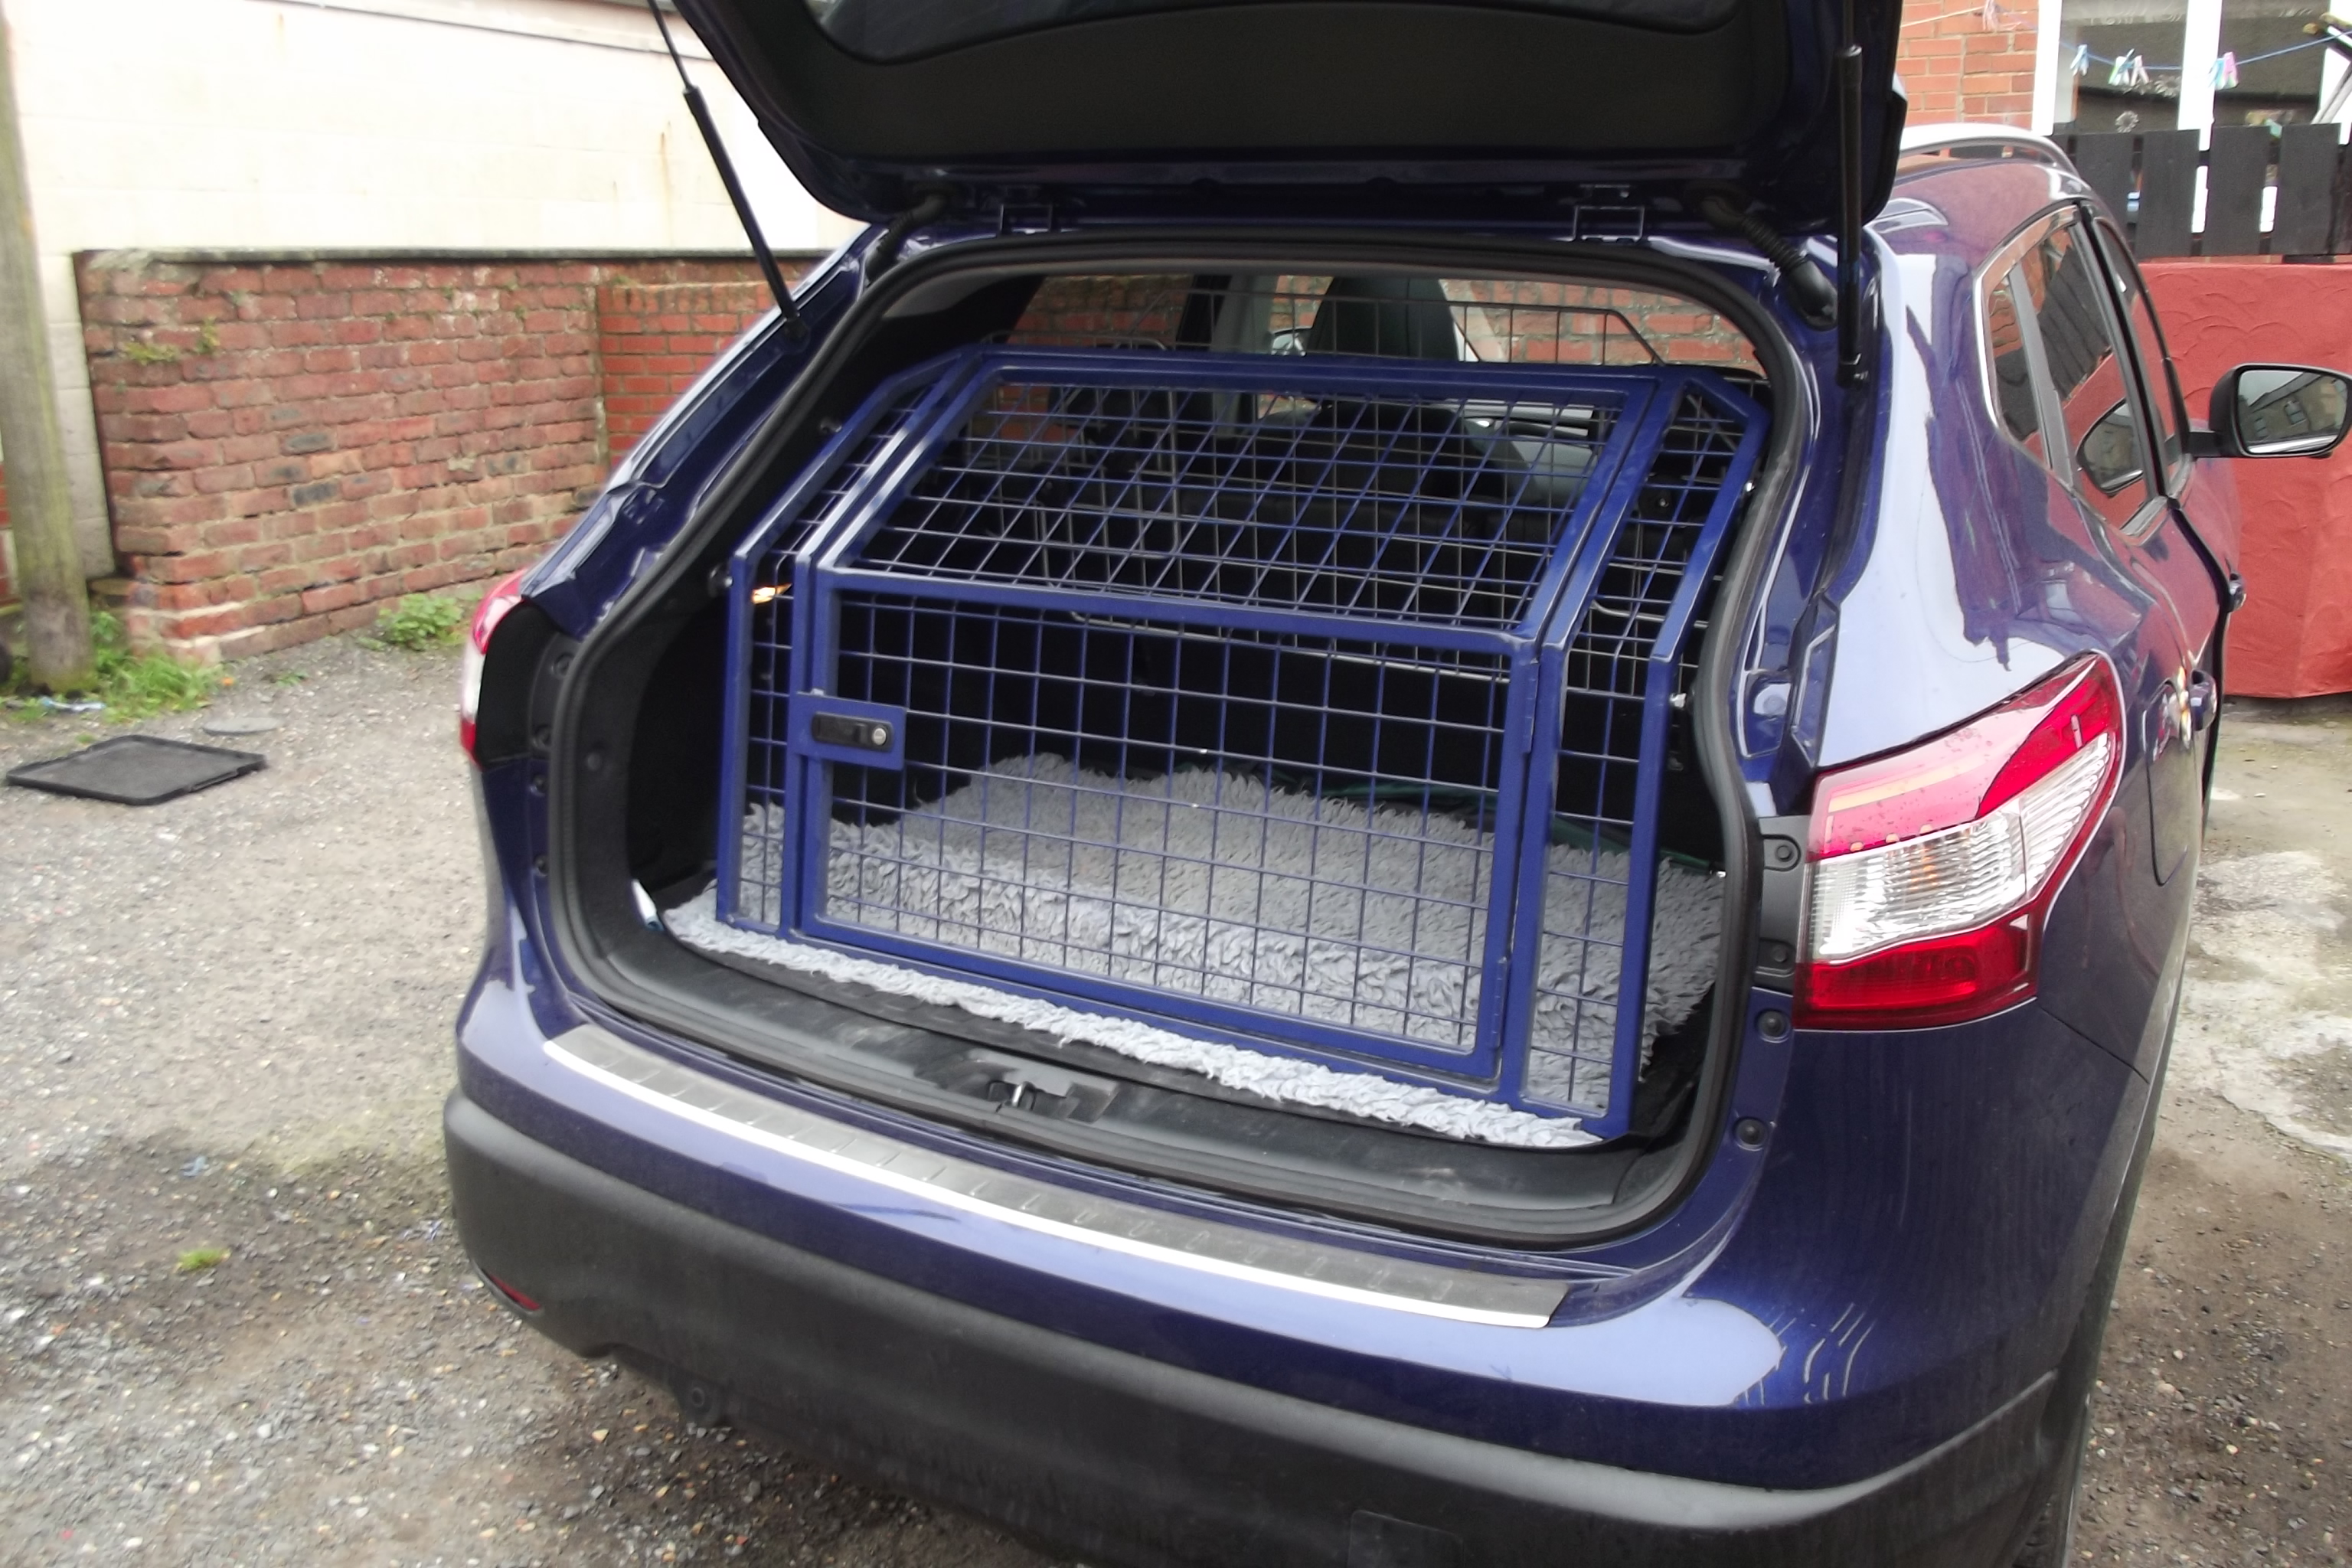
x: 830, y: 476
x: 1660, y: 670
x: 1589, y: 561
x: 815, y: 546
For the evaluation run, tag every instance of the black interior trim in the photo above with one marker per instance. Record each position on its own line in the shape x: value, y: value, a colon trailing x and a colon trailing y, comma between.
x: 888, y: 31
x: 1272, y: 81
x: 1353, y: 107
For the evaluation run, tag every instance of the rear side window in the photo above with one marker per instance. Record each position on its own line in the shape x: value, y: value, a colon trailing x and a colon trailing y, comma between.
x: 2047, y: 317
x: 2155, y: 369
x: 2088, y: 373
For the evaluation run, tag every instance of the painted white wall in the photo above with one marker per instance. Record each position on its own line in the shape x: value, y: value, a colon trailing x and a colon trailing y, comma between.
x: 2049, y: 24
x: 2200, y: 47
x: 356, y: 124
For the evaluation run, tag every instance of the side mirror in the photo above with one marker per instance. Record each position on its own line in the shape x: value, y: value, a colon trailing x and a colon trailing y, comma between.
x: 2279, y: 410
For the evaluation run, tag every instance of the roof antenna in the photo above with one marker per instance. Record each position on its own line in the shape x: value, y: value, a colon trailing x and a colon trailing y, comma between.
x: 794, y: 328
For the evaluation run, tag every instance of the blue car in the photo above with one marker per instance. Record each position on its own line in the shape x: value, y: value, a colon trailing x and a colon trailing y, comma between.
x: 1416, y: 785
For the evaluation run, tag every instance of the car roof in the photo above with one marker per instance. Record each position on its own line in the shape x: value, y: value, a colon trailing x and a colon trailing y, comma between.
x: 1963, y: 190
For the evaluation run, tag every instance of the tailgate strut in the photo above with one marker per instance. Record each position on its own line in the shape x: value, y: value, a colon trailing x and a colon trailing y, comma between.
x: 793, y: 326
x: 1851, y: 367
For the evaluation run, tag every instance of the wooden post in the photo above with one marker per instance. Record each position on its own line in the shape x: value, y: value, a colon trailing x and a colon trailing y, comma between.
x: 40, y: 509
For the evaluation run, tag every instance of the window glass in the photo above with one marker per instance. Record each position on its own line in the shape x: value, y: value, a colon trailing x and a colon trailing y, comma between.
x: 2011, y: 366
x: 2087, y: 370
x: 2119, y: 64
x: 2269, y: 68
x: 2109, y: 455
x: 2164, y: 387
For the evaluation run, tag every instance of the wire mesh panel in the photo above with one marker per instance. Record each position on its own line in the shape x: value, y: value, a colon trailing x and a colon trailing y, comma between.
x: 1289, y: 486
x: 1430, y: 514
x: 1604, y: 891
x: 1206, y: 687
x: 1490, y: 321
x: 751, y: 884
x: 1267, y: 825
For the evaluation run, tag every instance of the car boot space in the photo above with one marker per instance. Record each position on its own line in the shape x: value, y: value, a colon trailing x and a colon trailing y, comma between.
x: 1262, y: 687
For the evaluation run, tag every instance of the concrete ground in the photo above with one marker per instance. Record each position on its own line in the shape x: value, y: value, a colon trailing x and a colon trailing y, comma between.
x: 223, y: 1024
x: 2224, y: 1412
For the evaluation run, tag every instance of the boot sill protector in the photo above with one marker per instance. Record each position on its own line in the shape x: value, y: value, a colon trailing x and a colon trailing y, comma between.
x: 1338, y: 1274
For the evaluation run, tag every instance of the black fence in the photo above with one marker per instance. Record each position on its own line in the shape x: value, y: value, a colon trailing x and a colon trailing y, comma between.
x: 2150, y: 180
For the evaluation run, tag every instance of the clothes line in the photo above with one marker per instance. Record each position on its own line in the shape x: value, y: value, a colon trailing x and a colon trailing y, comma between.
x: 2084, y: 57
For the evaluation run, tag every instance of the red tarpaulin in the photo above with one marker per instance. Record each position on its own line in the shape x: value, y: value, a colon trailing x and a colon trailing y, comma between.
x: 2294, y: 638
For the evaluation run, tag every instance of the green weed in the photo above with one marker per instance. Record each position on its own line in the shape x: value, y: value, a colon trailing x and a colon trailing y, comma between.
x: 140, y: 686
x: 132, y: 686
x: 196, y: 1259
x: 423, y: 621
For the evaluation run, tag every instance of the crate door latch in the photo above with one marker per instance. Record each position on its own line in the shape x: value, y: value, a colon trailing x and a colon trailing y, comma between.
x: 865, y: 734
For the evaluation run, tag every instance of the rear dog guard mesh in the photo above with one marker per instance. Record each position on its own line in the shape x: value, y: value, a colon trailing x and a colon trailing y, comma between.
x: 1278, y: 700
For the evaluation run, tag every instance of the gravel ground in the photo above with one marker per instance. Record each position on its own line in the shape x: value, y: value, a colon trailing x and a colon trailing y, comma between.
x: 224, y: 1025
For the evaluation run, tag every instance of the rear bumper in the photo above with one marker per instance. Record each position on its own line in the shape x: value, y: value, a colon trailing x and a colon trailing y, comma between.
x: 1126, y: 1459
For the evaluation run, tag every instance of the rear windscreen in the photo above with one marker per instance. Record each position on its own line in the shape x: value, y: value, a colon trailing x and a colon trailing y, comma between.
x: 1485, y: 320
x: 903, y: 29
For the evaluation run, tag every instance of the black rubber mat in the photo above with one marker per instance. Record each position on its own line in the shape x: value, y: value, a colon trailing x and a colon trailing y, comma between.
x: 137, y: 770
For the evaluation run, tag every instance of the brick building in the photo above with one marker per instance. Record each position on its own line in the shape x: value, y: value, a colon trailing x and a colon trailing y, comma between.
x: 415, y: 369
x: 432, y: 202
x: 1972, y: 62
x: 289, y: 444
x: 2123, y: 65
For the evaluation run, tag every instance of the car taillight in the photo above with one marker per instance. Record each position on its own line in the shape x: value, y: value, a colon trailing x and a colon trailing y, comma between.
x: 1934, y: 868
x: 486, y: 616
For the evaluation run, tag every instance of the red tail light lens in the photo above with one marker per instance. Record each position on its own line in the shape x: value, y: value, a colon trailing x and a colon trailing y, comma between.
x: 493, y: 609
x: 1933, y: 868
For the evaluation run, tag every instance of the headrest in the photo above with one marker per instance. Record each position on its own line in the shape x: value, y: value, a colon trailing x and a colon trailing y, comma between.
x: 1399, y: 318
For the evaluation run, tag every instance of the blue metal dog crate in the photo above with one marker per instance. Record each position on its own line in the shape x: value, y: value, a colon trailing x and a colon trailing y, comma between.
x: 1316, y: 704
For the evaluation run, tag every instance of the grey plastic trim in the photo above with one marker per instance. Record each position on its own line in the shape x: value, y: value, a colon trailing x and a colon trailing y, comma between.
x: 1335, y: 1273
x: 1944, y: 138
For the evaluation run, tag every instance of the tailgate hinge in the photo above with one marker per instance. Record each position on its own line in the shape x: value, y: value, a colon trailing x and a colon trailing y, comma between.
x: 1609, y: 225
x: 1025, y: 218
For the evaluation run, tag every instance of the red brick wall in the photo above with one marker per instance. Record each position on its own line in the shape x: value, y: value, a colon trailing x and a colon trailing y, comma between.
x: 654, y: 339
x: 289, y: 446
x: 1568, y: 323
x: 292, y: 446
x: 1972, y: 63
